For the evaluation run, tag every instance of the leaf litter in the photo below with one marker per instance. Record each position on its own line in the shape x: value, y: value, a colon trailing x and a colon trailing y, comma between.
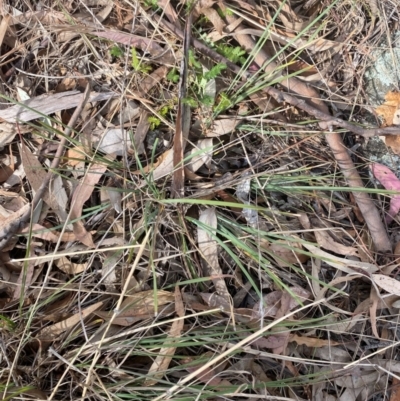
x: 179, y: 214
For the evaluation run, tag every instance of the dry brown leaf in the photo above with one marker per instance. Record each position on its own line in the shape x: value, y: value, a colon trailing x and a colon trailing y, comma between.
x: 69, y: 267
x: 113, y: 141
x: 139, y: 42
x: 49, y: 104
x: 34, y: 170
x: 215, y: 300
x: 162, y: 167
x: 209, y: 375
x: 50, y: 333
x: 245, y: 5
x: 284, y: 309
x: 341, y: 263
x: 291, y: 20
x: 142, y: 305
x: 141, y: 132
x: 13, y: 219
x: 304, y: 221
x: 327, y: 242
x: 202, y: 154
x: 389, y: 284
x: 332, y: 354
x: 48, y: 17
x: 312, y: 342
x: 386, y: 301
x: 284, y: 252
x: 394, y: 142
x: 80, y: 196
x: 214, y: 18
x: 82, y: 234
x: 356, y: 381
x: 108, y: 194
x: 222, y: 127
x: 209, y: 252
x: 396, y: 251
x: 340, y: 326
x: 389, y: 107
x: 203, y: 4
x: 5, y: 172
x: 164, y: 357
x: 275, y: 341
x: 271, y: 303
x: 127, y: 321
x: 9, y: 130
x: 68, y: 83
x: 54, y: 310
x: 108, y: 270
x: 44, y: 233
x: 269, y: 306
x: 75, y: 156
x: 169, y: 11
x: 151, y: 80
x: 395, y: 393
x: 396, y: 117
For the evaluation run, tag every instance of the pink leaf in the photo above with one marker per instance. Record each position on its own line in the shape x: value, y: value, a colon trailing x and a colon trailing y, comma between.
x: 389, y: 180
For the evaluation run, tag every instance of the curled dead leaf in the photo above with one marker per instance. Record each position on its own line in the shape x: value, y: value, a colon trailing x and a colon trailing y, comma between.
x: 285, y: 253
x: 50, y: 333
x: 388, y: 109
x: 387, y: 283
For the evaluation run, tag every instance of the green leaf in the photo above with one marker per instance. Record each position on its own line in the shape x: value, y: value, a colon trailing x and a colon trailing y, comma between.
x: 137, y: 65
x: 193, y: 61
x: 116, y: 51
x: 215, y: 71
x: 234, y: 54
x: 190, y: 102
x: 154, y: 122
x: 223, y: 103
x: 173, y: 76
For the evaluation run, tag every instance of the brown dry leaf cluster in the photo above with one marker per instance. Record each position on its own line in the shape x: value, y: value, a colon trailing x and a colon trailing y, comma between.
x: 179, y: 218
x: 389, y: 111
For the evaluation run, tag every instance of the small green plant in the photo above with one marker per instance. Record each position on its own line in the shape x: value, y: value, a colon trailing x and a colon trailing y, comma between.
x: 215, y: 71
x: 137, y: 64
x: 224, y: 103
x: 235, y: 54
x: 193, y: 62
x: 173, y: 76
x: 154, y: 122
x: 191, y: 102
x: 116, y: 51
x: 225, y: 13
x: 199, y: 86
x: 165, y: 110
x: 6, y: 324
x: 151, y: 3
